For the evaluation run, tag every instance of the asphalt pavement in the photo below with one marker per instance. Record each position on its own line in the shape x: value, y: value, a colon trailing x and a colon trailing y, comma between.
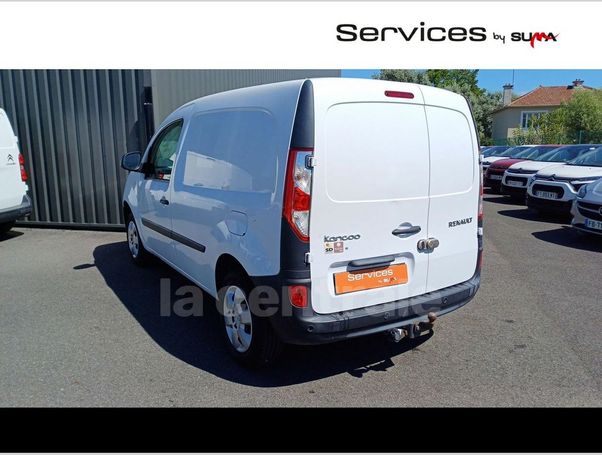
x: 80, y: 325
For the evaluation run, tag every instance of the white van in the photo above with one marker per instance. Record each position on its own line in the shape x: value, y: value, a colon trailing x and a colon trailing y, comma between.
x: 14, y: 202
x: 314, y: 210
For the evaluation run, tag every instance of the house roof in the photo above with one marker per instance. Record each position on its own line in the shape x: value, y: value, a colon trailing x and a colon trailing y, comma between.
x: 545, y: 96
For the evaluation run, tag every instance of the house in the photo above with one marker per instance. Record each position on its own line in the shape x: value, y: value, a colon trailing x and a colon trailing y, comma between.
x: 518, y: 113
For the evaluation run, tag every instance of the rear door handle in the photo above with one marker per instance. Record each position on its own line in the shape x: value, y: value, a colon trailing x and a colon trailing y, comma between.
x: 164, y: 201
x: 372, y: 262
x: 406, y: 230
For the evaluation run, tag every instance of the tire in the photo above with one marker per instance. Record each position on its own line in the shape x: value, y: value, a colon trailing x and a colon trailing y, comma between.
x: 5, y: 227
x: 250, y: 339
x: 138, y: 253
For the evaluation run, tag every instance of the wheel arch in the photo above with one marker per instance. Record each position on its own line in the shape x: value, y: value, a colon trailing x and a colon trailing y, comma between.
x: 127, y: 210
x: 227, y: 263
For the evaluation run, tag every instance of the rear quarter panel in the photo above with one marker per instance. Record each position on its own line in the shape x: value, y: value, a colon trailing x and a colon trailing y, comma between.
x: 235, y: 218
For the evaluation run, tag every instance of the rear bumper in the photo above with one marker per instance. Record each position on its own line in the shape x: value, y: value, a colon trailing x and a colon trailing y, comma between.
x: 303, y: 326
x: 14, y: 213
x: 549, y: 205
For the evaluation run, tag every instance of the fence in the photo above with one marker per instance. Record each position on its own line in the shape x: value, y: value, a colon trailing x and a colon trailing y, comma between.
x: 73, y: 126
x: 578, y: 137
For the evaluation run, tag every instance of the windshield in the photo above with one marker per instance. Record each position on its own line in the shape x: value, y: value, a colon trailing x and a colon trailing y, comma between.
x: 593, y: 158
x: 498, y: 150
x: 534, y: 152
x: 564, y: 154
x: 515, y: 151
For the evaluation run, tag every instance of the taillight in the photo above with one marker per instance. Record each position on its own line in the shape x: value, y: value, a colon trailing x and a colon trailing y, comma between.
x: 22, y: 166
x: 298, y: 296
x: 297, y: 192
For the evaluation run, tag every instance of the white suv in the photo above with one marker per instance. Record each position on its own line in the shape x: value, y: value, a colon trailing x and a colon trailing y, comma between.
x: 14, y: 202
x: 554, y: 188
x: 316, y: 210
x: 587, y: 208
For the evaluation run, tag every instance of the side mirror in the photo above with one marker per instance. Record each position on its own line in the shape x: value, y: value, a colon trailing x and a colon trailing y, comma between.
x: 131, y: 161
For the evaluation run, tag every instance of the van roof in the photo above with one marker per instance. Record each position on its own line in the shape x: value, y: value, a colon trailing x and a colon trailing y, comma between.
x: 353, y: 88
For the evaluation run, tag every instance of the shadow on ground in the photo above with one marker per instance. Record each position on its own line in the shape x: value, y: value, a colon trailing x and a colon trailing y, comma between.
x: 198, y: 340
x: 571, y: 238
x: 499, y: 199
x: 12, y: 234
x: 530, y: 215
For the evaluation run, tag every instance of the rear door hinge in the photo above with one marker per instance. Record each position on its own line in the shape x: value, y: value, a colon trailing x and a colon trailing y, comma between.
x: 310, y: 161
x: 307, y: 258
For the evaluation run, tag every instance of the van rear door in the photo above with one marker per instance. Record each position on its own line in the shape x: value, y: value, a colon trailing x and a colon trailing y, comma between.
x: 370, y: 194
x: 12, y: 187
x: 454, y: 189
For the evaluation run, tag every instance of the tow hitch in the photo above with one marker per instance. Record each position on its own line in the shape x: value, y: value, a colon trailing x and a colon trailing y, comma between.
x: 412, y: 330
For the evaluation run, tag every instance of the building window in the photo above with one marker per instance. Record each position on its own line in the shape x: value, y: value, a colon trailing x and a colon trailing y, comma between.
x: 527, y: 118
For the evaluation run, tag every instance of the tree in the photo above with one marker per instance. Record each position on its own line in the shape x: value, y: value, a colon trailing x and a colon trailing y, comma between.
x: 463, y: 82
x: 583, y: 112
x: 413, y: 76
x: 447, y: 78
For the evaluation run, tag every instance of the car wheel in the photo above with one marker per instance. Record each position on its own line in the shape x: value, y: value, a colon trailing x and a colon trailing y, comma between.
x: 250, y: 339
x: 5, y: 227
x: 137, y: 251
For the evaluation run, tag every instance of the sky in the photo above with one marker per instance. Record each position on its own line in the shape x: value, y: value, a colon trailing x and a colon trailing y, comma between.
x: 524, y: 80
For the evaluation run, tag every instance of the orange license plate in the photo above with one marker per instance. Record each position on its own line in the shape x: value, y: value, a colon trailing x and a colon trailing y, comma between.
x: 361, y: 280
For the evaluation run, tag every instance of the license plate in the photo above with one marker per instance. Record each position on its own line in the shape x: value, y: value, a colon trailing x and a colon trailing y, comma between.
x: 514, y: 183
x: 546, y: 194
x: 593, y: 224
x: 362, y: 280
x: 495, y: 177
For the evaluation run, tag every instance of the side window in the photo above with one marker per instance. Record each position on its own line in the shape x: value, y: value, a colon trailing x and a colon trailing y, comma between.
x: 230, y: 150
x: 163, y: 152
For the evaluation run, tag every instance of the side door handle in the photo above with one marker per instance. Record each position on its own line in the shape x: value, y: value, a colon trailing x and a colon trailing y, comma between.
x: 164, y: 201
x: 406, y: 230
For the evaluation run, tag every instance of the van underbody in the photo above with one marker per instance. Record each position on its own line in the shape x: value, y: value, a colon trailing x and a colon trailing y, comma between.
x: 303, y: 326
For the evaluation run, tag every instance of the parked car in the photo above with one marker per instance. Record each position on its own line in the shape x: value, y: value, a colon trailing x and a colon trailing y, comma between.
x: 489, y: 151
x: 502, y: 154
x: 587, y: 208
x: 14, y: 202
x: 483, y: 149
x: 516, y: 177
x: 493, y: 180
x: 554, y: 188
x: 309, y: 210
